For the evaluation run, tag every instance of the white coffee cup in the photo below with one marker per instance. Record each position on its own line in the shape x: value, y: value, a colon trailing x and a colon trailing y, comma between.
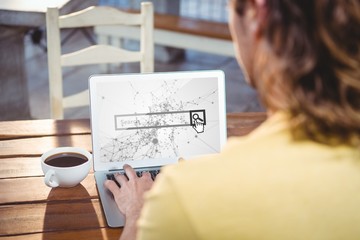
x: 65, y: 166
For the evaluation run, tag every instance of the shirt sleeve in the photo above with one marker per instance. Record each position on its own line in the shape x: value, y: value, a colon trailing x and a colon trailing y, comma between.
x: 163, y: 216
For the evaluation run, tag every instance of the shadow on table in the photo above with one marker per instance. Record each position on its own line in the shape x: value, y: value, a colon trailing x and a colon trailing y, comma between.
x: 69, y: 212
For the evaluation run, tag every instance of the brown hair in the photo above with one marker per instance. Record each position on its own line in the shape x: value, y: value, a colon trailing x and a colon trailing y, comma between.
x: 308, y: 63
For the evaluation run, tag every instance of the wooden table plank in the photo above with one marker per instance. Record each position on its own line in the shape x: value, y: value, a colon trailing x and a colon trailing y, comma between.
x: 26, y: 128
x: 50, y: 217
x: 37, y: 146
x: 20, y: 167
x: 48, y: 127
x: 33, y: 189
x: 240, y: 124
x: 92, y: 234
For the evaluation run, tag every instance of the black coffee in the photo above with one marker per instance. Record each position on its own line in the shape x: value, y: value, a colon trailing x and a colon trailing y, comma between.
x: 66, y: 160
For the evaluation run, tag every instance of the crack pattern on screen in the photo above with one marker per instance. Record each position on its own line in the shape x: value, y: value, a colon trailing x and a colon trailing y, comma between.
x: 158, y: 142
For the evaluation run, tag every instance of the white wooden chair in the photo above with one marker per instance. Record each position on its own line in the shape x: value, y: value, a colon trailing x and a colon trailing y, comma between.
x: 96, y: 54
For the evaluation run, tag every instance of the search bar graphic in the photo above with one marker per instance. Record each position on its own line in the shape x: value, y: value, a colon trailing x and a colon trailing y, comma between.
x: 159, y: 119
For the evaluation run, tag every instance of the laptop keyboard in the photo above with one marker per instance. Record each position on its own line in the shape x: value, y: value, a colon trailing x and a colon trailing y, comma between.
x: 153, y: 173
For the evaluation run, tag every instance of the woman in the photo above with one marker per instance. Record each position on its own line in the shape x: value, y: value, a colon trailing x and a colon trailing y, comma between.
x: 298, y: 175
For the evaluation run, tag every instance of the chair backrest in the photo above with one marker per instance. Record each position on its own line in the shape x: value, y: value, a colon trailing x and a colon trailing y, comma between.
x: 96, y: 54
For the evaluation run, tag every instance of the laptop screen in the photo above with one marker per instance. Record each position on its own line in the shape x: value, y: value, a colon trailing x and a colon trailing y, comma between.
x: 153, y: 119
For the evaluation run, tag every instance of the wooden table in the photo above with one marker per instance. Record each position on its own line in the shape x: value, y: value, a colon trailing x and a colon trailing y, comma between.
x: 30, y: 210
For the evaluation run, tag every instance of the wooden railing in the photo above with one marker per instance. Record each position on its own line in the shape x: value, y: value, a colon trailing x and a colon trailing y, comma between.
x: 181, y: 32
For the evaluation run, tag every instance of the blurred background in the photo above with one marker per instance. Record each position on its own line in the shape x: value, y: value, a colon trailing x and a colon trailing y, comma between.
x: 239, y: 96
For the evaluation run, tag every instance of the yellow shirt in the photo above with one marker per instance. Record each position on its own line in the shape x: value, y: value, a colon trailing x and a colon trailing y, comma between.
x: 263, y: 186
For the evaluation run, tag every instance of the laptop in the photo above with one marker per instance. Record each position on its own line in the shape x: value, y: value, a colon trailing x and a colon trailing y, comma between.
x: 151, y: 120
